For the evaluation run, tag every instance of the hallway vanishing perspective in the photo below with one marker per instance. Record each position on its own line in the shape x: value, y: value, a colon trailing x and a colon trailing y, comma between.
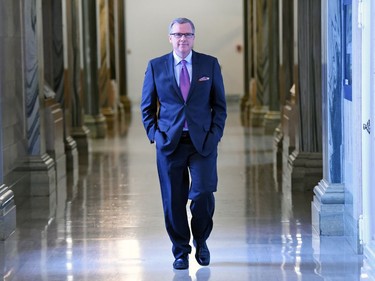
x: 108, y: 223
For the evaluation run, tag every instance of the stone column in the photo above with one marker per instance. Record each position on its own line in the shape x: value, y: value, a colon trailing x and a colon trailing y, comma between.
x: 329, y: 199
x: 54, y: 89
x: 37, y: 163
x: 261, y: 56
x: 114, y: 35
x: 245, y: 101
x: 94, y: 119
x: 122, y: 51
x: 285, y: 86
x: 107, y: 89
x: 286, y: 51
x: 305, y: 162
x: 72, y: 79
x: 272, y: 117
x: 55, y: 74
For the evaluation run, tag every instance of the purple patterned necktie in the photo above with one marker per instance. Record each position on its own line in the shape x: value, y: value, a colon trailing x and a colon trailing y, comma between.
x: 184, y: 80
x: 184, y: 84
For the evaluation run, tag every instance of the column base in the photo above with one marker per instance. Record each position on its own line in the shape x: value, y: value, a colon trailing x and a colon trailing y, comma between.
x: 97, y: 126
x: 327, y: 209
x: 126, y: 103
x: 109, y: 115
x: 55, y: 137
x: 257, y: 116
x: 305, y: 170
x: 42, y: 174
x: 271, y: 121
x: 81, y: 137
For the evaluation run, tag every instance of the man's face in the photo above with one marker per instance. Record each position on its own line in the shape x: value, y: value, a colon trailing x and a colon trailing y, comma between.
x: 182, y: 45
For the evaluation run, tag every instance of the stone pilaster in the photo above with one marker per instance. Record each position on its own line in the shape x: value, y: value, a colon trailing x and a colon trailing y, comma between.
x: 93, y: 117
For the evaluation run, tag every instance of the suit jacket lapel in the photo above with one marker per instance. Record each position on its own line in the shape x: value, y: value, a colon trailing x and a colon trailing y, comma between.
x: 194, y: 74
x: 169, y: 63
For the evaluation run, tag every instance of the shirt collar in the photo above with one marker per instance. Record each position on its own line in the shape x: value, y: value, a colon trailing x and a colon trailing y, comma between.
x: 177, y: 59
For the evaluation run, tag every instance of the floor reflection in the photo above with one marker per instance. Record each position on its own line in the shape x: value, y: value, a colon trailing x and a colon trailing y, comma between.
x: 106, y: 222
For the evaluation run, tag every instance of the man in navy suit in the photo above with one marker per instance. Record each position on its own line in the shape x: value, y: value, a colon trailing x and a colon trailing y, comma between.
x: 185, y: 118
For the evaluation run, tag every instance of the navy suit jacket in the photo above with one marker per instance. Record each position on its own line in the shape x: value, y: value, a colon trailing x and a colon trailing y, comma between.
x: 164, y: 110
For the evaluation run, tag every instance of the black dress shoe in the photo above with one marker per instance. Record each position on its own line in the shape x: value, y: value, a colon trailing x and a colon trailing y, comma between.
x: 181, y: 263
x: 202, y: 254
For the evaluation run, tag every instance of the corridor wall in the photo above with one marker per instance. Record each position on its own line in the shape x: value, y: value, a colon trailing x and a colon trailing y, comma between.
x: 219, y: 32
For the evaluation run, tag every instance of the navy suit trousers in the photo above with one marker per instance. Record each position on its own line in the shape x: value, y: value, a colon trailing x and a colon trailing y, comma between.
x: 184, y: 175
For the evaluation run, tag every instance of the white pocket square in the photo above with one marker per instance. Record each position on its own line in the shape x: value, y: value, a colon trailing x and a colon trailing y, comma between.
x: 204, y: 78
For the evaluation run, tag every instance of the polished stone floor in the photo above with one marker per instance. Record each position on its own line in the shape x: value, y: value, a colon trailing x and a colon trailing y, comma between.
x: 108, y: 223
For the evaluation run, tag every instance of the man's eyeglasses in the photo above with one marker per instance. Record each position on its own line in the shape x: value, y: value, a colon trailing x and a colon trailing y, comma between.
x: 179, y: 35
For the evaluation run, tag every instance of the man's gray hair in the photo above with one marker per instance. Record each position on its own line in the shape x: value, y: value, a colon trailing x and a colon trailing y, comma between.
x: 181, y: 21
